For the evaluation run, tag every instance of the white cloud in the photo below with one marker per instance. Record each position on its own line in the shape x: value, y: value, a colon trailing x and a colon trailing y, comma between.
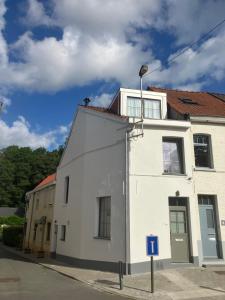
x: 6, y: 102
x: 107, y: 41
x: 103, y: 100
x: 36, y: 14
x: 196, y: 67
x: 21, y: 134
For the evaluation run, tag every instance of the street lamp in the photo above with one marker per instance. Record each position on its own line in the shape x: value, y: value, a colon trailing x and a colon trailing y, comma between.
x: 1, y: 107
x: 142, y: 72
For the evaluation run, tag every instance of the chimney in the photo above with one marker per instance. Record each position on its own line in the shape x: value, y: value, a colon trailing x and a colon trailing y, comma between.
x: 86, y: 101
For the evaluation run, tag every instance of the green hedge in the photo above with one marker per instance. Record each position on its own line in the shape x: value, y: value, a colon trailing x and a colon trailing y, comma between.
x: 13, y: 235
x: 12, y: 220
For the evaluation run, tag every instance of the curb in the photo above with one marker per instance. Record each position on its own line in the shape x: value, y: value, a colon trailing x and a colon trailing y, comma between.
x: 94, y: 286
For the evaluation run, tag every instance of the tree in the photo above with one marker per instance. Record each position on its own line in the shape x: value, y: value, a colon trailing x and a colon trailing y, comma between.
x: 21, y: 169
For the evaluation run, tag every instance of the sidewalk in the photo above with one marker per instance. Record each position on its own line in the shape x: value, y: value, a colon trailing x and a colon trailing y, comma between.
x: 183, y: 283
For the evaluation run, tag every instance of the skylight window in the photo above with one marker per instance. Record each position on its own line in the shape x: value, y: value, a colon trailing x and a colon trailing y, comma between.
x: 188, y: 101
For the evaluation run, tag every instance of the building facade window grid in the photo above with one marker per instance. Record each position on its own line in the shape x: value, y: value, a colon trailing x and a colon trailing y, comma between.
x: 104, y: 229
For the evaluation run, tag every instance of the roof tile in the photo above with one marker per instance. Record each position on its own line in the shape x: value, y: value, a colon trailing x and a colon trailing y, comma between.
x: 206, y: 104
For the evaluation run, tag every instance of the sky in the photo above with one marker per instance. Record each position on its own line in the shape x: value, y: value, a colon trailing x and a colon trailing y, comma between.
x: 55, y: 53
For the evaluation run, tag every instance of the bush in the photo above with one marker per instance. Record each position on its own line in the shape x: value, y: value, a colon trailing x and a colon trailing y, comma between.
x: 11, y: 220
x: 13, y: 235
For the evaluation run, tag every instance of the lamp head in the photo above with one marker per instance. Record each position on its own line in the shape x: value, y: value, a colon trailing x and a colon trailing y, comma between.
x: 143, y: 70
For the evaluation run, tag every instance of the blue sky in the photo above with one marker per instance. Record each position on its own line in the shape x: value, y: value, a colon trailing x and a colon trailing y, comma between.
x: 55, y: 53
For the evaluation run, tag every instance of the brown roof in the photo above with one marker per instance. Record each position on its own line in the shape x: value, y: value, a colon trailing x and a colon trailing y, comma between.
x: 219, y: 96
x: 103, y: 110
x: 196, y: 103
x: 47, y: 180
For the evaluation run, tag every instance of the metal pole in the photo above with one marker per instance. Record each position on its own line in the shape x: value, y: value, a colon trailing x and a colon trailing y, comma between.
x: 121, y: 274
x: 152, y: 275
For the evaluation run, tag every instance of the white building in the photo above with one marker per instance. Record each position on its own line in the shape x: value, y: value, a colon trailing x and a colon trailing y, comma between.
x: 120, y: 180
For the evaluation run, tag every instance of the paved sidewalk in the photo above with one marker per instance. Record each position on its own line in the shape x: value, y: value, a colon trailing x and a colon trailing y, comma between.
x: 183, y: 283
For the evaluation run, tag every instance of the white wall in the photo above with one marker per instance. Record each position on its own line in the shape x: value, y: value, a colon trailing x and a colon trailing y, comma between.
x: 212, y: 182
x: 150, y: 189
x: 95, y: 161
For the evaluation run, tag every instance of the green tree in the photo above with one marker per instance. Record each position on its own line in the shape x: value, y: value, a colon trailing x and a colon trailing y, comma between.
x: 21, y: 169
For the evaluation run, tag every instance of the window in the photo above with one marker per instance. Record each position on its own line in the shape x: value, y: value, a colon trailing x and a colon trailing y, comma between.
x: 104, y: 228
x: 48, y: 235
x: 173, y: 156
x: 151, y: 108
x: 37, y: 203
x: 67, y: 183
x: 63, y: 232
x: 35, y: 232
x: 202, y: 151
x: 177, y: 222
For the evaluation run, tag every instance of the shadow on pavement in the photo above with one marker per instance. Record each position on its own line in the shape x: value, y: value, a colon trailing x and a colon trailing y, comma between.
x: 208, y: 288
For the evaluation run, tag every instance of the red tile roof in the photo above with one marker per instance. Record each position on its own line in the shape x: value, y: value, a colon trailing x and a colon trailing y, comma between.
x: 47, y: 180
x: 204, y: 104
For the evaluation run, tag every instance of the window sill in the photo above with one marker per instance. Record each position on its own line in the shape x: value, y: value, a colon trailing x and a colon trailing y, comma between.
x: 102, y: 238
x: 175, y: 174
x: 204, y: 169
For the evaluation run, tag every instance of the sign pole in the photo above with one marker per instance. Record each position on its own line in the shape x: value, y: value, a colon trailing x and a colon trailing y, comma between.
x: 152, y: 275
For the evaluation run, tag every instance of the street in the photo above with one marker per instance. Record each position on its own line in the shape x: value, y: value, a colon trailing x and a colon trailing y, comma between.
x: 24, y: 280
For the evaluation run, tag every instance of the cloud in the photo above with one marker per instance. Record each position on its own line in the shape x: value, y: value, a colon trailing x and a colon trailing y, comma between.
x: 196, y: 67
x: 103, y: 100
x: 36, y: 14
x: 109, y: 42
x: 6, y: 102
x: 21, y: 134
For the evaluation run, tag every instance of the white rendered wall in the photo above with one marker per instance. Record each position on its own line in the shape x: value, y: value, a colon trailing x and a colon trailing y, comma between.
x: 150, y: 190
x: 95, y: 162
x: 212, y: 181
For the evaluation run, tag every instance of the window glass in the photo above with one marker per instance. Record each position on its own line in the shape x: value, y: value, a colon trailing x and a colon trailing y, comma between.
x: 63, y: 232
x: 152, y: 109
x: 202, y: 151
x: 133, y: 107
x: 67, y: 184
x: 173, y: 227
x: 48, y: 231
x: 104, y: 217
x: 181, y: 227
x: 172, y: 156
x: 210, y: 218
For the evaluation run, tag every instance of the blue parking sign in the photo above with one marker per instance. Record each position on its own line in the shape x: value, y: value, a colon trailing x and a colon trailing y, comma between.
x: 152, y: 245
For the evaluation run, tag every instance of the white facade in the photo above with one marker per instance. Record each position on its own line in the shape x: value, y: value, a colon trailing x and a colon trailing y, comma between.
x: 110, y: 156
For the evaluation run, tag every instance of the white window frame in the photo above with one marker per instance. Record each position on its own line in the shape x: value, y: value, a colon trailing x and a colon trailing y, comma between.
x: 180, y: 151
x: 137, y: 108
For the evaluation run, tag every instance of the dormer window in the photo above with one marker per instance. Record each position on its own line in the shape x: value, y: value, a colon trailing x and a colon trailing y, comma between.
x: 152, y: 108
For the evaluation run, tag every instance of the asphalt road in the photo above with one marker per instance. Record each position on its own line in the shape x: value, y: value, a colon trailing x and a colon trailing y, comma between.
x: 24, y: 280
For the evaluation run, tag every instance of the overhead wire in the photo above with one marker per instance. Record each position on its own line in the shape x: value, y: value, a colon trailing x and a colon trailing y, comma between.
x: 188, y: 47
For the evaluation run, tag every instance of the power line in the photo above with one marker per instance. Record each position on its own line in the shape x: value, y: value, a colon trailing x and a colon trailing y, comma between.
x: 188, y: 47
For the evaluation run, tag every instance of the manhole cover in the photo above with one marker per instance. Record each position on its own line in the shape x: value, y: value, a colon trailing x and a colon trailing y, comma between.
x: 220, y: 272
x: 9, y: 279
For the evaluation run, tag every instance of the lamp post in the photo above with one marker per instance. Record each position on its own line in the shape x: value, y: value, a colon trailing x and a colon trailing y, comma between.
x: 142, y: 72
x: 1, y: 107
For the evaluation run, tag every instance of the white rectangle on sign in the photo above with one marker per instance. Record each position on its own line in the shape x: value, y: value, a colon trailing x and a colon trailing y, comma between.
x: 179, y: 240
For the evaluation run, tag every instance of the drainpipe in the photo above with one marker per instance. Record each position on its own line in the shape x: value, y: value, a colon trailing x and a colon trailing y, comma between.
x: 31, y: 218
x: 127, y: 235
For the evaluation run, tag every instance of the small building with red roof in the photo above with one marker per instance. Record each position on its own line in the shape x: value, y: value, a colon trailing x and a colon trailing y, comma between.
x: 39, y: 217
